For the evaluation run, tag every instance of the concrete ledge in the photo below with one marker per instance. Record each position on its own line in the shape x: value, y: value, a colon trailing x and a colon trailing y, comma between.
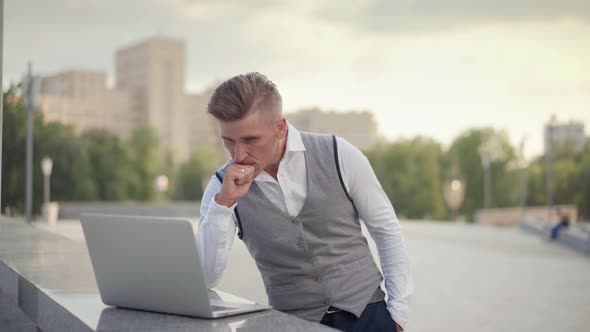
x: 12, y: 318
x: 50, y: 279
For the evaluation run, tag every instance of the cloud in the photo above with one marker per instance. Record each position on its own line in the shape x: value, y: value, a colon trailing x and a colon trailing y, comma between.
x: 409, y: 16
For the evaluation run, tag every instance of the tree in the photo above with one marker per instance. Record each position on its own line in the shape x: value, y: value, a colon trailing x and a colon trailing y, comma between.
x: 109, y: 164
x: 409, y: 172
x: 505, y: 185
x: 70, y: 178
x: 13, y: 152
x: 582, y: 184
x: 570, y: 180
x: 143, y: 151
x: 191, y: 175
x: 71, y: 174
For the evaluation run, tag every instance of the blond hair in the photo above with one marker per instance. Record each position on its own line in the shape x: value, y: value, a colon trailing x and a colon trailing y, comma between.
x: 239, y: 95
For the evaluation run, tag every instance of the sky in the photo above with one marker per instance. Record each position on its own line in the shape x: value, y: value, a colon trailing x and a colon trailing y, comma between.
x: 423, y: 67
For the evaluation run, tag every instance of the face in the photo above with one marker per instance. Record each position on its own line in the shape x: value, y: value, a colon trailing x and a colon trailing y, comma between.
x: 255, y: 140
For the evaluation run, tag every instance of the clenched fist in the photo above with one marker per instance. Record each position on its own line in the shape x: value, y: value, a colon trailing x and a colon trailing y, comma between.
x: 236, y: 183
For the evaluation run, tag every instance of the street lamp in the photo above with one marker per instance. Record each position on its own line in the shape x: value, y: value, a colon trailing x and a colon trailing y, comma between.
x: 161, y: 184
x: 524, y: 168
x: 549, y: 160
x: 490, y: 151
x: 46, y: 167
x: 454, y: 193
x: 487, y: 178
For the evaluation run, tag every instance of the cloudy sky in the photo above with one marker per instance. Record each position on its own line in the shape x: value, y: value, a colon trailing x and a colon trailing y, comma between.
x: 424, y: 67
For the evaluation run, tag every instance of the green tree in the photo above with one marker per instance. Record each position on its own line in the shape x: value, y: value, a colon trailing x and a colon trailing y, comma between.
x: 144, y: 163
x: 505, y: 185
x: 537, y: 185
x: 582, y: 184
x: 570, y: 178
x: 109, y: 164
x: 409, y: 172
x: 71, y: 173
x: 70, y: 178
x: 13, y: 152
x: 191, y: 175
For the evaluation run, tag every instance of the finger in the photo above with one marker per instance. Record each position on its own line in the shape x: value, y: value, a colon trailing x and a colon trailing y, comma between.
x: 243, y: 178
x: 246, y: 170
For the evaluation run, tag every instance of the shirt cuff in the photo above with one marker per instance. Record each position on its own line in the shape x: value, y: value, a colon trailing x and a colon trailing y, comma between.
x: 399, y: 315
x: 217, y: 210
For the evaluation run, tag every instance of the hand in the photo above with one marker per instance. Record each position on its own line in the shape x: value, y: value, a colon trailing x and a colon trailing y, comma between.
x: 236, y: 183
x: 398, y: 328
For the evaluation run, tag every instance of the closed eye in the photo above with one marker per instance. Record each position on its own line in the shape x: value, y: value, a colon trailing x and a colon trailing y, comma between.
x: 250, y: 139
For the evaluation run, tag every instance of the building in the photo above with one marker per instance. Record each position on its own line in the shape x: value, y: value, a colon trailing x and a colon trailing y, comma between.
x: 562, y: 134
x: 202, y: 127
x: 149, y: 90
x: 80, y: 98
x: 152, y: 72
x: 359, y: 128
x: 76, y: 84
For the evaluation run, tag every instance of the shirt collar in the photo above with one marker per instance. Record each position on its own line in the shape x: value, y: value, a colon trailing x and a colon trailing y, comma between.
x: 294, y: 141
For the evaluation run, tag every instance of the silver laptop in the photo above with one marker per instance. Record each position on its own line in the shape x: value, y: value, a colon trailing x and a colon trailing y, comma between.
x: 152, y: 264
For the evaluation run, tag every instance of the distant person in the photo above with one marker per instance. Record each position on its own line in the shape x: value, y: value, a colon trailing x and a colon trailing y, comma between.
x: 296, y: 199
x: 564, y: 222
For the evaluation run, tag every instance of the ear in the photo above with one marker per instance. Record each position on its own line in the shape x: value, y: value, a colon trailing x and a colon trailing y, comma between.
x: 281, y: 128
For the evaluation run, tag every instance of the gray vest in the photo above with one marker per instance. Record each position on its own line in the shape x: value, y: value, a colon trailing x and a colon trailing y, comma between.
x: 319, y: 258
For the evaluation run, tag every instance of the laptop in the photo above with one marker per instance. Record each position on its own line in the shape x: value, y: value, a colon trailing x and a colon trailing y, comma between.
x: 152, y: 264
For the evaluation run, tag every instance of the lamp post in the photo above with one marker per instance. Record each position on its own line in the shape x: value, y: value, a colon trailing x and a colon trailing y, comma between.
x: 524, y: 167
x: 29, y: 147
x: 161, y: 184
x: 487, y: 178
x: 1, y: 85
x: 549, y: 161
x: 454, y: 193
x: 490, y: 151
x: 46, y: 167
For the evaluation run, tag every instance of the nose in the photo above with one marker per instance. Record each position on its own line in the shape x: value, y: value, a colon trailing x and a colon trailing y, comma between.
x: 240, y: 153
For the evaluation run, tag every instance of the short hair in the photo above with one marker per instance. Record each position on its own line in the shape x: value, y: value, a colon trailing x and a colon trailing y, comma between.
x: 237, y: 96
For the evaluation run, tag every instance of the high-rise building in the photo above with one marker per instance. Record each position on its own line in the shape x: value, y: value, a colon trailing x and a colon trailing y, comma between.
x: 81, y: 98
x: 152, y: 73
x: 562, y: 134
x: 359, y: 128
x: 76, y: 84
x: 149, y: 89
x: 202, y: 127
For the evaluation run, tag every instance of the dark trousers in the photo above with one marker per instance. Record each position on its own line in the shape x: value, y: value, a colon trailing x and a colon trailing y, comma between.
x: 375, y: 317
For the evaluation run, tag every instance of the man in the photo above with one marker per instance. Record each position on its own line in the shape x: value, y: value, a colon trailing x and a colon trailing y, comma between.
x: 296, y: 199
x: 564, y: 222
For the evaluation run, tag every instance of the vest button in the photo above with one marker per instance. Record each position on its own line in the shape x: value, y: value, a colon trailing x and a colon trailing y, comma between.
x: 301, y: 244
x: 319, y: 279
x: 311, y: 260
x: 328, y: 302
x: 296, y: 221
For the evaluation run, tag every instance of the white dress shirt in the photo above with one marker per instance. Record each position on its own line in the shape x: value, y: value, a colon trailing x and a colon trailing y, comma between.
x: 217, y: 226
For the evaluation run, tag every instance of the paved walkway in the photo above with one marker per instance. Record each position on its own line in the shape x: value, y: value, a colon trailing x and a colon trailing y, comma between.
x: 467, y: 278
